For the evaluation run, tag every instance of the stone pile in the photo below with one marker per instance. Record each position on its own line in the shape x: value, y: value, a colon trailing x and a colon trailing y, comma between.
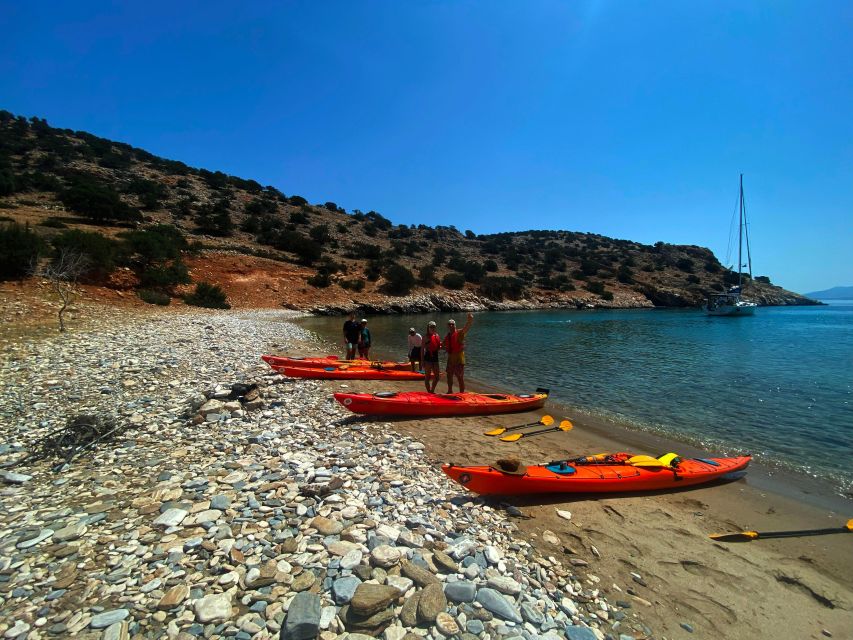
x: 250, y: 518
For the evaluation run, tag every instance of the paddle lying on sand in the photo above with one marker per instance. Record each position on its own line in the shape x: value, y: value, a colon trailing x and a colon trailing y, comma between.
x: 565, y: 425
x: 746, y: 536
x: 544, y: 420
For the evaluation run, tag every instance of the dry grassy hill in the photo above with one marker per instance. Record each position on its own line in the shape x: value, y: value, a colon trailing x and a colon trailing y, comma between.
x: 265, y: 248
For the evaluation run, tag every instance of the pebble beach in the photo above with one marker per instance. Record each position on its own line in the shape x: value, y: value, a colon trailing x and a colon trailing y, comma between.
x: 284, y: 515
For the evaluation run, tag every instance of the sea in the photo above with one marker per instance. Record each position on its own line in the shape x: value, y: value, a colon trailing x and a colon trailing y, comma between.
x: 778, y: 384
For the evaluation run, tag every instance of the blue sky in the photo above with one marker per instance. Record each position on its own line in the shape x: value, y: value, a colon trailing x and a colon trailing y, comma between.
x: 627, y: 119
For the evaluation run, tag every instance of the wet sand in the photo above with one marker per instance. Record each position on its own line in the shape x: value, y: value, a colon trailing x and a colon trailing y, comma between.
x: 792, y: 588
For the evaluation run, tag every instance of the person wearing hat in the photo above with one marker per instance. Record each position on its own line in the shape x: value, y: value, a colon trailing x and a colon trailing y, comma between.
x: 416, y: 343
x: 454, y: 344
x: 429, y: 357
x: 364, y: 341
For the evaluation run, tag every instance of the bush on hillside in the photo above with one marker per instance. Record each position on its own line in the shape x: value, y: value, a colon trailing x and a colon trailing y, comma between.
x: 685, y: 264
x: 500, y: 287
x: 319, y: 280
x: 363, y: 250
x: 53, y: 223
x: 214, y: 219
x: 164, y: 276
x: 320, y: 233
x: 20, y: 250
x: 490, y: 265
x: 100, y: 251
x: 594, y: 286
x: 353, y: 285
x: 208, y: 295
x: 151, y: 296
x: 453, y: 280
x: 96, y: 202
x: 426, y: 276
x: 157, y: 243
x: 399, y: 280
x: 304, y: 247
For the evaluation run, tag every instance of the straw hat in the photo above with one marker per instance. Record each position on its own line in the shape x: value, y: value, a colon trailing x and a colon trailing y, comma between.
x: 511, y: 466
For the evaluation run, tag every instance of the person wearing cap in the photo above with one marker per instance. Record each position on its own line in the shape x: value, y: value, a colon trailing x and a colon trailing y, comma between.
x: 352, y: 333
x: 429, y: 357
x: 364, y: 341
x: 454, y: 344
x: 416, y: 343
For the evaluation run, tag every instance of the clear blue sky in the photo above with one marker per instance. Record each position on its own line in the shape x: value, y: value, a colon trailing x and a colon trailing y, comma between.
x: 629, y: 119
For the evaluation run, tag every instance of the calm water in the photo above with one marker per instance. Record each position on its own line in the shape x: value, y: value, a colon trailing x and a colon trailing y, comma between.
x: 779, y: 384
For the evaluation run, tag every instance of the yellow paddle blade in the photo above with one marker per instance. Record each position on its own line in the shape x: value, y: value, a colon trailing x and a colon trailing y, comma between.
x: 741, y: 536
x: 495, y: 432
x: 850, y: 524
x: 546, y: 420
x: 645, y: 461
x: 566, y: 425
x: 512, y: 437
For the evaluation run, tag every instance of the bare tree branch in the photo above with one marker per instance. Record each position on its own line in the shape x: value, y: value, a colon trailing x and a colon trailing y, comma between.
x: 63, y: 272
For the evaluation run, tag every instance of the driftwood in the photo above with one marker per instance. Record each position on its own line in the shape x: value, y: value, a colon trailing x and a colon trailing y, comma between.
x: 82, y: 433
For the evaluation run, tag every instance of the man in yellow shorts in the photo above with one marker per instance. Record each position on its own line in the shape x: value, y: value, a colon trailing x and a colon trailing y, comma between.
x: 454, y: 344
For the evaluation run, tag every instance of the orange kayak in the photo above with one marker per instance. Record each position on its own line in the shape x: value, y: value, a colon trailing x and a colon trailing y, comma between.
x: 574, y: 477
x: 422, y: 403
x: 350, y: 373
x: 332, y: 361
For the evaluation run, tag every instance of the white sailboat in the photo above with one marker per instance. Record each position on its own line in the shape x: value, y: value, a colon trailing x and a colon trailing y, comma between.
x: 730, y: 303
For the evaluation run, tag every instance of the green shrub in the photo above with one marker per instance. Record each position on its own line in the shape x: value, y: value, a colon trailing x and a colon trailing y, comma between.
x: 490, y: 265
x: 498, y: 287
x: 154, y: 297
x: 595, y: 287
x: 426, y: 276
x: 100, y: 251
x: 399, y: 280
x: 693, y: 279
x: 208, y: 295
x: 625, y: 275
x: 298, y: 217
x: 353, y: 285
x: 305, y: 248
x: 96, y: 202
x: 712, y: 267
x: 453, y: 280
x: 373, y: 270
x: 157, y: 243
x: 363, y: 250
x: 320, y: 233
x: 685, y: 264
x: 607, y: 295
x: 53, y: 222
x: 320, y: 280
x: 20, y: 250
x: 215, y: 219
x: 165, y: 275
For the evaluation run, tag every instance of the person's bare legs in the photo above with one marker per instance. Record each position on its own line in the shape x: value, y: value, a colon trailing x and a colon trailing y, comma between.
x: 451, y: 369
x: 460, y: 375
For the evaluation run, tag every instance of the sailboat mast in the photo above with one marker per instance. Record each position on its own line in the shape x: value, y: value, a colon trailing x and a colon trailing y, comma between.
x: 740, y: 238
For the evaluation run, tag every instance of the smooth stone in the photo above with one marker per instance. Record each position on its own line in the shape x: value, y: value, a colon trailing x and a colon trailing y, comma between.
x: 213, y: 607
x: 107, y: 618
x: 116, y: 631
x: 71, y: 532
x: 303, y: 581
x: 173, y: 597
x: 565, y: 515
x: 431, y: 603
x: 409, y: 612
x: 400, y: 583
x: 475, y: 627
x: 326, y: 526
x: 504, y: 584
x: 385, y: 556
x: 372, y: 598
x: 303, y: 617
x: 576, y: 632
x: 444, y: 562
x: 550, y: 537
x: 351, y: 559
x: 421, y: 576
x: 19, y: 628
x: 446, y: 624
x: 460, y: 591
x: 220, y: 502
x: 10, y: 477
x: 531, y: 614
x: 344, y: 588
x: 170, y: 518
x: 497, y: 604
x: 42, y: 535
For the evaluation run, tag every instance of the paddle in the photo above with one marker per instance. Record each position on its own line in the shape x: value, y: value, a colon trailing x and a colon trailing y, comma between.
x: 565, y: 425
x: 747, y: 536
x: 546, y: 420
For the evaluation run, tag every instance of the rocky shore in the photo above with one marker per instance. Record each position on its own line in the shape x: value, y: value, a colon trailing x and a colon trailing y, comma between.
x: 261, y: 517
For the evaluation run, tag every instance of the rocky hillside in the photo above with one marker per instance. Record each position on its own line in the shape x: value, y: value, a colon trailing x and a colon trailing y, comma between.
x: 266, y: 248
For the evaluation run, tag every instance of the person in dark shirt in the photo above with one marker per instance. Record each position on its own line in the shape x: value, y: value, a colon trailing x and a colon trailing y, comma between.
x: 352, y: 335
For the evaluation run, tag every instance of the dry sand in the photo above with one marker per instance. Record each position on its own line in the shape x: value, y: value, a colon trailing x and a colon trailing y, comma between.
x: 792, y: 588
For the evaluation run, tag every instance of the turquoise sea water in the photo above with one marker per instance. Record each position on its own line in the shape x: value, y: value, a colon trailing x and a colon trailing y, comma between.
x: 778, y: 384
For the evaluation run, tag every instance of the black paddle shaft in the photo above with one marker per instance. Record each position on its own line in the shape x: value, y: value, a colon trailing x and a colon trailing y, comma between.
x: 804, y: 532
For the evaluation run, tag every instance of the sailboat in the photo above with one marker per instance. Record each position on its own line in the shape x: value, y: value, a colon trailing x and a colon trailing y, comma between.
x: 729, y: 303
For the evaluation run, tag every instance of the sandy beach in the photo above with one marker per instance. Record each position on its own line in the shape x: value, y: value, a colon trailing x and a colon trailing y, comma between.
x: 800, y: 587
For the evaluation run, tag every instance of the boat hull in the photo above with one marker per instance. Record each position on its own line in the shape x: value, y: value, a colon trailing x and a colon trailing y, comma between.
x: 332, y: 361
x: 594, y: 478
x: 350, y: 373
x: 421, y: 403
x: 747, y: 309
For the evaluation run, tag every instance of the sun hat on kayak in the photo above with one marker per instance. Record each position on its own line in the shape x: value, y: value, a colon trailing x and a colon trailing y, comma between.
x: 511, y: 466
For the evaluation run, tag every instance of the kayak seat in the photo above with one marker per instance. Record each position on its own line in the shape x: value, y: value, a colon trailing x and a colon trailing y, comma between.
x: 495, y: 396
x: 670, y: 459
x: 560, y: 468
x: 385, y: 394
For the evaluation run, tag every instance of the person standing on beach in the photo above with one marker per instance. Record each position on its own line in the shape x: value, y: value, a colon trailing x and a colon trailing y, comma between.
x: 352, y: 332
x: 416, y: 343
x: 364, y: 341
x: 454, y: 344
x: 429, y: 357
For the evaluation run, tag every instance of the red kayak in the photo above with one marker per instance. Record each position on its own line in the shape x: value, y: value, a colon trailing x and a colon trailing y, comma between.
x: 422, y: 403
x: 595, y: 477
x: 332, y: 361
x: 350, y: 373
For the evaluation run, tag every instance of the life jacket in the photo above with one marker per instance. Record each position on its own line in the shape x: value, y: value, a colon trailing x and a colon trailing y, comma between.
x: 453, y: 343
x: 432, y: 343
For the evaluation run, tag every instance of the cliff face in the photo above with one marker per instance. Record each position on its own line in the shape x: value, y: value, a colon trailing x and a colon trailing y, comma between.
x: 326, y: 259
